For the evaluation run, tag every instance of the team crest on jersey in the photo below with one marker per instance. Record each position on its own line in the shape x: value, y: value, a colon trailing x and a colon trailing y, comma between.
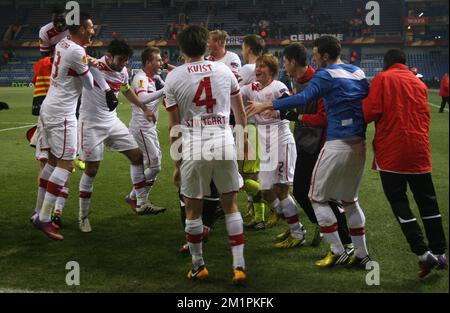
x: 141, y: 83
x: 84, y: 59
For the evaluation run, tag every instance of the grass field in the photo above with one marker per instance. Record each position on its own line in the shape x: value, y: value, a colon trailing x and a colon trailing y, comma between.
x: 128, y: 253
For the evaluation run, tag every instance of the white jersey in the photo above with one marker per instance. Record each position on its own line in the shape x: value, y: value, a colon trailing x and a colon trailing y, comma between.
x: 142, y: 83
x: 248, y: 74
x: 93, y: 102
x: 69, y: 63
x: 230, y: 59
x: 202, y: 92
x: 271, y: 92
x: 49, y: 37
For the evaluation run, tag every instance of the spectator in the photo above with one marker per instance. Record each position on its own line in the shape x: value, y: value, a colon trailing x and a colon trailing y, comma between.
x: 444, y: 92
x: 398, y: 104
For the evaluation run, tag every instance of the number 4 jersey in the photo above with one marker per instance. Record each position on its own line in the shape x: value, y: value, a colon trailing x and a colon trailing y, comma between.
x: 202, y: 92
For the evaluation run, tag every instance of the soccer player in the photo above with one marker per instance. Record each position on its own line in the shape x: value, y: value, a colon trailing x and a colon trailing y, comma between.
x: 252, y: 48
x: 310, y: 123
x: 99, y: 126
x: 199, y: 95
x: 338, y: 171
x: 398, y: 104
x: 70, y: 72
x: 444, y: 92
x: 143, y: 130
x: 217, y: 42
x: 41, y: 80
x: 277, y: 167
x: 53, y: 32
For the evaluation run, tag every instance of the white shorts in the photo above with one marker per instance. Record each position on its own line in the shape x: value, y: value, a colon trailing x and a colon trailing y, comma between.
x: 36, y: 141
x: 59, y: 137
x: 277, y: 164
x: 148, y: 142
x: 196, y: 176
x: 338, y: 171
x: 93, y: 138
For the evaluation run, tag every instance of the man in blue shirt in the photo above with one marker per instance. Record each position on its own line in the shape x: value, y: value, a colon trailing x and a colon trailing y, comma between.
x: 339, y: 168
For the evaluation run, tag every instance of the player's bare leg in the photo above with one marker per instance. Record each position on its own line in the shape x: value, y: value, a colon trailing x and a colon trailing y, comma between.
x: 235, y: 230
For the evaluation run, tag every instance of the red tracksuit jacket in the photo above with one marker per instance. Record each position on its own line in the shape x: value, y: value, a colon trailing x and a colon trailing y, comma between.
x: 398, y: 104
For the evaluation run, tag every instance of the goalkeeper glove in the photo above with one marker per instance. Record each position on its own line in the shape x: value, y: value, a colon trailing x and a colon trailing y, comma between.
x: 111, y: 100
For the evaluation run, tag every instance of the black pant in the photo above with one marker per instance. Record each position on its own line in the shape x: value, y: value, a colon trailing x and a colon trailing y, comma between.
x: 209, y: 208
x: 443, y: 103
x: 302, y: 180
x: 422, y: 188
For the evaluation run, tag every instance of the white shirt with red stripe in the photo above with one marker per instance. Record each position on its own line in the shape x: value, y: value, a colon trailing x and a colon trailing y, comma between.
x: 143, y: 83
x: 248, y: 74
x: 230, y: 59
x: 70, y: 62
x: 93, y: 102
x: 49, y: 37
x: 255, y: 92
x: 202, y: 92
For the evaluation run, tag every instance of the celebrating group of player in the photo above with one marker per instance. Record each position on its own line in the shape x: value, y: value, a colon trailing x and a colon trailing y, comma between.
x: 203, y: 97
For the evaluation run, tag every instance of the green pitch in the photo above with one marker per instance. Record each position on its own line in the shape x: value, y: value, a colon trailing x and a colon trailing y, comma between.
x: 128, y: 253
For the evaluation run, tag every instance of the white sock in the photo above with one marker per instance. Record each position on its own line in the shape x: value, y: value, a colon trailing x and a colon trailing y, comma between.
x: 86, y: 187
x: 290, y: 212
x: 42, y: 188
x: 356, y: 221
x: 55, y: 184
x: 194, y: 237
x: 235, y: 230
x: 138, y: 179
x: 61, y: 199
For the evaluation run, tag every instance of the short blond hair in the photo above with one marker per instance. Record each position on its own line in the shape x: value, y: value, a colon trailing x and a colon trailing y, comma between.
x: 219, y: 35
x: 270, y: 61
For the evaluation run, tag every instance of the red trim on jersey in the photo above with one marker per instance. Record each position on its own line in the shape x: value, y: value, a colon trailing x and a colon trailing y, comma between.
x: 313, y: 182
x: 236, y: 240
x: 140, y: 91
x: 65, y: 138
x: 45, y: 48
x: 85, y: 194
x: 234, y: 93
x: 292, y: 220
x: 173, y: 107
x: 357, y: 231
x: 84, y: 73
x: 328, y: 229
x: 64, y: 195
x: 194, y: 238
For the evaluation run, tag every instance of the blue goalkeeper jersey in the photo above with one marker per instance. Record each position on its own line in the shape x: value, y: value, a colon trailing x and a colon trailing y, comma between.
x: 343, y: 88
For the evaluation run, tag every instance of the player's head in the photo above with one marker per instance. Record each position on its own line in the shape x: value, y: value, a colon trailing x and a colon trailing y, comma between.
x: 152, y: 61
x: 193, y: 41
x: 294, y: 56
x: 326, y: 50
x: 119, y: 52
x: 59, y: 18
x: 394, y: 56
x: 252, y: 45
x: 267, y: 67
x: 84, y: 32
x: 217, y: 40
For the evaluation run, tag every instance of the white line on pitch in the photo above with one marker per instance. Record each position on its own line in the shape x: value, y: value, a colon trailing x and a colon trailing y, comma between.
x: 14, y: 128
x: 436, y: 106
